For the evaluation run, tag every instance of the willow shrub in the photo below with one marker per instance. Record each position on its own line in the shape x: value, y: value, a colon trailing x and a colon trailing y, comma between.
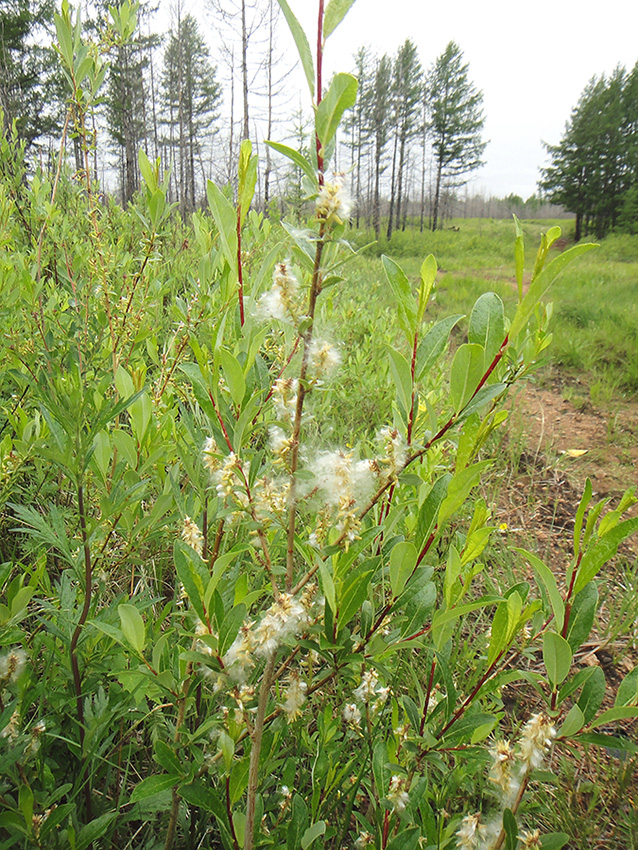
x: 217, y: 631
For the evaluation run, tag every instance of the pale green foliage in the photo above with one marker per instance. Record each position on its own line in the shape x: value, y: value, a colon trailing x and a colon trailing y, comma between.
x: 241, y: 634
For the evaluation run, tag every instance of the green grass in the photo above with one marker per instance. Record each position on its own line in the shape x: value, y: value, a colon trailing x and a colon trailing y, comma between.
x: 595, y: 322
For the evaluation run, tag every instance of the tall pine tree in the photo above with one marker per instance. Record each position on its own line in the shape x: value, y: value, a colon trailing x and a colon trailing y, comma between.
x: 191, y: 97
x: 456, y: 123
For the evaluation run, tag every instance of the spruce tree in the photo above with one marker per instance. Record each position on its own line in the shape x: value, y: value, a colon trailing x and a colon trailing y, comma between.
x: 456, y: 123
x: 191, y: 96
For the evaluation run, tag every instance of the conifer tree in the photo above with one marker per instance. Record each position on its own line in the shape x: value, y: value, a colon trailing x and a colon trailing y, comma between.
x: 592, y: 169
x: 31, y: 92
x: 456, y: 123
x: 191, y: 97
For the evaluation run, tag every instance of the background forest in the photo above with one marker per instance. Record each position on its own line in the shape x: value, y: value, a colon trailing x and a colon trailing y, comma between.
x: 410, y: 144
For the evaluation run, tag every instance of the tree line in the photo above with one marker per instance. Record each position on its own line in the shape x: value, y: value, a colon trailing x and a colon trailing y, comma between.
x: 411, y: 141
x: 414, y: 135
x: 593, y: 170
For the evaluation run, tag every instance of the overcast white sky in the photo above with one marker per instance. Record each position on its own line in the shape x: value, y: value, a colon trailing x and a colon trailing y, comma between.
x: 531, y: 60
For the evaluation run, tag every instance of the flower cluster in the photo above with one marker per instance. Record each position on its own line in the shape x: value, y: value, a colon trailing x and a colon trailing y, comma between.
x: 287, y: 617
x: 370, y: 692
x: 537, y: 737
x: 472, y: 832
x: 509, y: 771
x: 280, y: 302
x: 503, y: 762
x: 211, y: 457
x: 343, y: 483
x: 323, y: 359
x: 394, y: 448
x: 295, y: 697
x: 284, y: 395
x: 192, y: 536
x: 397, y: 795
x: 334, y: 203
x: 11, y: 666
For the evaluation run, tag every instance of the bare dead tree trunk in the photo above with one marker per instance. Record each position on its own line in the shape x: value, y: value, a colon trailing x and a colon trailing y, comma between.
x: 244, y: 68
x: 268, y: 165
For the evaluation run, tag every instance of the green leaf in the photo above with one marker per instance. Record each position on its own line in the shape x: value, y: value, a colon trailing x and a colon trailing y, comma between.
x: 303, y: 48
x: 498, y: 636
x: 147, y: 171
x: 519, y: 257
x: 65, y: 38
x: 166, y: 757
x: 226, y: 222
x: 189, y: 575
x: 593, y: 694
x: 511, y: 830
x: 341, y: 95
x: 429, y: 269
x: 313, y: 831
x: 25, y: 801
x: 618, y: 712
x: 430, y: 509
x: 459, y: 489
x: 573, y: 723
x: 581, y: 618
x: 299, y: 160
x: 133, y: 627
x: 557, y: 657
x: 200, y: 794
x: 230, y: 627
x: 609, y: 741
x: 433, y: 345
x: 247, y: 178
x: 452, y: 587
x: 628, y: 689
x: 597, y: 555
x: 548, y: 579
x: 354, y: 591
x: 94, y: 830
x: 381, y: 768
x: 298, y: 821
x: 466, y: 373
x: 153, y: 785
x: 400, y: 369
x: 418, y: 600
x: 487, y: 325
x: 407, y: 839
x: 234, y: 375
x: 443, y: 620
x: 554, y: 840
x: 335, y: 13
x: 580, y: 513
x: 406, y: 307
x: 402, y: 563
x: 541, y: 284
x: 124, y: 383
x: 140, y: 411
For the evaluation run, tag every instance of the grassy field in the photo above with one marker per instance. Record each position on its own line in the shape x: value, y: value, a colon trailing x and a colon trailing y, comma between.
x: 595, y: 324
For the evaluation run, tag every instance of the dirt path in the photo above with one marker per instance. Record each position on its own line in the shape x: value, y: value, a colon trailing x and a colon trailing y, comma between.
x: 577, y: 439
x: 556, y: 439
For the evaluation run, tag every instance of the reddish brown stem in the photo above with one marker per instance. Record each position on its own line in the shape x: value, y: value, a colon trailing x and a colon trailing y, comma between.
x: 221, y: 422
x: 320, y: 85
